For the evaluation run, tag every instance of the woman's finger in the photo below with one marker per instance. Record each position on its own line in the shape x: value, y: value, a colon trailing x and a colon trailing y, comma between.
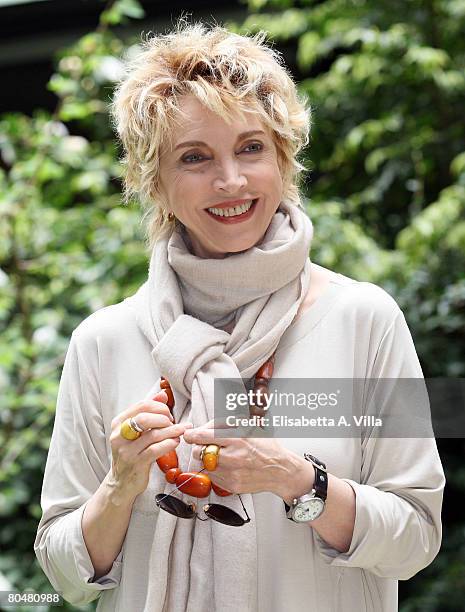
x: 203, y: 436
x: 154, y: 406
x: 155, y: 436
x: 218, y: 423
x: 150, y: 420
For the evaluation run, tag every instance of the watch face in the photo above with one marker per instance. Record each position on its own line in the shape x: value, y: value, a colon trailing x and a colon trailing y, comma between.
x: 308, y: 510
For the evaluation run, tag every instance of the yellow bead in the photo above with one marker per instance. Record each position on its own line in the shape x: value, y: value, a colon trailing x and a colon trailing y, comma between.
x: 210, y: 457
x: 210, y: 461
x: 127, y: 432
x: 212, y: 448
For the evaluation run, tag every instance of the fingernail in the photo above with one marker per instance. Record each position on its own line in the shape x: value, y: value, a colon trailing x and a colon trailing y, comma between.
x: 161, y: 396
x: 188, y: 425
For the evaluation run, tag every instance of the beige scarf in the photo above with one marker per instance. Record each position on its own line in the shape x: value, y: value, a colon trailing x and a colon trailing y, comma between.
x: 196, y: 565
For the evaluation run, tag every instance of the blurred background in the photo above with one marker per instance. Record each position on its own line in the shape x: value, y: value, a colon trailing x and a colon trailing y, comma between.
x: 385, y: 189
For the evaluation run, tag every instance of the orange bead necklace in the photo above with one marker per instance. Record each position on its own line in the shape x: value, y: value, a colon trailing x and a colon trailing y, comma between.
x: 199, y: 484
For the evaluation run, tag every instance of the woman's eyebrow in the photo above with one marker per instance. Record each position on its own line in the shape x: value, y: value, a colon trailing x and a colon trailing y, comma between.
x: 197, y: 143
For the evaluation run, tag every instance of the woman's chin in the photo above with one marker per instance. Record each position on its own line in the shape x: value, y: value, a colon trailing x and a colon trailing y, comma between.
x: 224, y: 247
x: 239, y: 247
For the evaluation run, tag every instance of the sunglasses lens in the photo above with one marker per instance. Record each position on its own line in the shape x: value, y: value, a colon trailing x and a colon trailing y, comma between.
x: 174, y: 506
x: 224, y: 515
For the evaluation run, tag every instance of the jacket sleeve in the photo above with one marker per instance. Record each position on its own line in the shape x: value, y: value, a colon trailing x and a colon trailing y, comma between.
x: 399, y: 490
x: 77, y: 463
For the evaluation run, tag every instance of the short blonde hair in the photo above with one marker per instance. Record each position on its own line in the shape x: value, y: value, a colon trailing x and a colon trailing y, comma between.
x: 229, y: 74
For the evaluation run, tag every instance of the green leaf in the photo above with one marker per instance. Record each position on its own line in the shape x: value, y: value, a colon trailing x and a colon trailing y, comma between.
x: 121, y: 9
x: 131, y: 8
x: 457, y: 165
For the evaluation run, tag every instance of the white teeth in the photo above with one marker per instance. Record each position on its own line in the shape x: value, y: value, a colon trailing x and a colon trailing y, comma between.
x: 231, y: 212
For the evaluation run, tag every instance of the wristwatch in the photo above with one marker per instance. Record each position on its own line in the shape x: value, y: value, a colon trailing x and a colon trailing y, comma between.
x: 310, y: 506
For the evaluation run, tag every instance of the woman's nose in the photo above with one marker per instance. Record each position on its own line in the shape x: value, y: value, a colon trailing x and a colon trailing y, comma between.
x: 230, y: 177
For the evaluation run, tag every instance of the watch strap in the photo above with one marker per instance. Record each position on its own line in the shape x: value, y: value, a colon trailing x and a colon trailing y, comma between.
x: 321, y: 476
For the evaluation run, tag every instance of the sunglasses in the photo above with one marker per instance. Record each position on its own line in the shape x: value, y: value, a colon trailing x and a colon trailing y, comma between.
x: 217, y: 512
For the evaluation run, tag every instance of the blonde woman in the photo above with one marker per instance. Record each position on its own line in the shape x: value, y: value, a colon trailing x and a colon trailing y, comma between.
x: 211, y: 124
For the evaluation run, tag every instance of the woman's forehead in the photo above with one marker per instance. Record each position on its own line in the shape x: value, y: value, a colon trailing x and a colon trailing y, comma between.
x: 195, y: 118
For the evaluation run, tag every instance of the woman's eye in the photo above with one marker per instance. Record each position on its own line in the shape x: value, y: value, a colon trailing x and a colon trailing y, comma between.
x: 255, y: 144
x: 189, y: 159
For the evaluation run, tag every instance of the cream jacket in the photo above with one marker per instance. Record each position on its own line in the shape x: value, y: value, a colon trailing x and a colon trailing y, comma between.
x: 354, y: 329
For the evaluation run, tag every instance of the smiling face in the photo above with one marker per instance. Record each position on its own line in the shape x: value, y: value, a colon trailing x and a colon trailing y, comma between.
x: 220, y: 165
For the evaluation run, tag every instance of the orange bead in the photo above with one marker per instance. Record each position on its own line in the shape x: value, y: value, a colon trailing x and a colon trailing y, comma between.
x: 266, y: 371
x: 169, y: 395
x: 219, y: 491
x: 168, y: 461
x: 170, y: 401
x: 198, y: 485
x: 172, y: 474
x: 164, y: 384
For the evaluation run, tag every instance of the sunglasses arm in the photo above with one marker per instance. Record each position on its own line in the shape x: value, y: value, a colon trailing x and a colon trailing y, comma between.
x: 248, y: 517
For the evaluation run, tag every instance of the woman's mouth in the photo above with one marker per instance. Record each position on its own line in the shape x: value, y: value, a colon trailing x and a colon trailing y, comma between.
x: 235, y: 214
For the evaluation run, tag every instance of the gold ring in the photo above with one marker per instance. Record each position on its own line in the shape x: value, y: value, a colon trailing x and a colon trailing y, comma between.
x: 209, y: 456
x: 130, y: 430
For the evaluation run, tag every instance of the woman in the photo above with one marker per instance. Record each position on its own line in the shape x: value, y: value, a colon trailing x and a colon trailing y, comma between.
x: 211, y: 124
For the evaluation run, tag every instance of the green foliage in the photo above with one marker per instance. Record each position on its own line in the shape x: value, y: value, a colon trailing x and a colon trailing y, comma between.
x: 387, y: 196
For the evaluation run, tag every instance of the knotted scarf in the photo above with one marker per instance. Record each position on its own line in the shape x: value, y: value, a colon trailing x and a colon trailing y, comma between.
x: 181, y: 309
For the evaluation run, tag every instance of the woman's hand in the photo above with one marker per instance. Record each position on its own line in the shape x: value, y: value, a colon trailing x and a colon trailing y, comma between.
x: 245, y: 465
x: 132, y: 459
